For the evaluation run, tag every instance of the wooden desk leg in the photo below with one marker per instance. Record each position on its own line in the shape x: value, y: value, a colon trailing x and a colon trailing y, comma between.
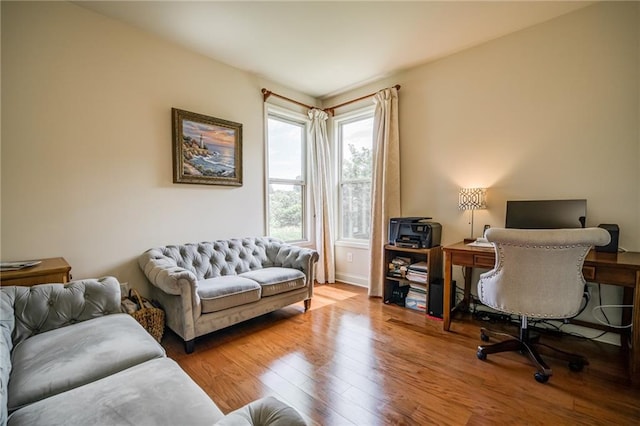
x: 468, y: 271
x: 627, y: 317
x: 446, y: 311
x: 634, y: 354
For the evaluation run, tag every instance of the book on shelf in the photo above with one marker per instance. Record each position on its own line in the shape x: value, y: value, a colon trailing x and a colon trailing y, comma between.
x: 419, y: 267
x: 398, y: 266
x: 417, y: 276
x: 401, y: 261
x: 416, y: 300
x: 418, y: 287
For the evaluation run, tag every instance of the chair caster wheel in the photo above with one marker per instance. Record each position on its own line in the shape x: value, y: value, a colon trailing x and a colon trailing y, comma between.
x: 576, y: 366
x: 481, y: 355
x: 541, y: 377
x: 484, y: 337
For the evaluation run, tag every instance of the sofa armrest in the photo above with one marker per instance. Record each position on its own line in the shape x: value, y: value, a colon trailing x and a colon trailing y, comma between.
x: 267, y: 411
x: 303, y: 259
x: 163, y: 273
x: 46, y: 307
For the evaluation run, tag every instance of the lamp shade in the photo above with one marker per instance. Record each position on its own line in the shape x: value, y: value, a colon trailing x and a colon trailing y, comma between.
x: 472, y: 199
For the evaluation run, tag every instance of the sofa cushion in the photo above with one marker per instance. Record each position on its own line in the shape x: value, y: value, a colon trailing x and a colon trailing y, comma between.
x: 276, y: 280
x: 227, y: 291
x: 157, y: 392
x: 53, y: 362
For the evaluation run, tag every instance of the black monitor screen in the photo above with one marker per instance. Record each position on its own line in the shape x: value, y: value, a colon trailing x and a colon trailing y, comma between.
x: 546, y: 214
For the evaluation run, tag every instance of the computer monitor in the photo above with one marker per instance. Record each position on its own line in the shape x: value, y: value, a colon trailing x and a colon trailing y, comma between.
x: 546, y: 214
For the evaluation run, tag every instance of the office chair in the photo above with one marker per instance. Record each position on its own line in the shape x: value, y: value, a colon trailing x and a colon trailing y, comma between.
x: 537, y: 274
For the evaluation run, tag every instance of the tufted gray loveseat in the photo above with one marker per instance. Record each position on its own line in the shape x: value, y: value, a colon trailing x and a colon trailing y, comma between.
x: 68, y: 356
x: 206, y: 286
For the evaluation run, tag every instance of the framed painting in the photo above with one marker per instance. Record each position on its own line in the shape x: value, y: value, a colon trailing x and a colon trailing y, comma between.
x: 206, y: 150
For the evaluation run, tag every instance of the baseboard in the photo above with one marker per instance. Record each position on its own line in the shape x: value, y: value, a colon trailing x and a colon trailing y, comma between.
x: 353, y: 279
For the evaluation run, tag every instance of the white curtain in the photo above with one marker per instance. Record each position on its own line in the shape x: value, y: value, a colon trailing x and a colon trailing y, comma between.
x: 385, y: 190
x: 322, y: 196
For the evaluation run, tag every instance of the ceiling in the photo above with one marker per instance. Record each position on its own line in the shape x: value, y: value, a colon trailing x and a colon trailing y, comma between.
x: 327, y: 47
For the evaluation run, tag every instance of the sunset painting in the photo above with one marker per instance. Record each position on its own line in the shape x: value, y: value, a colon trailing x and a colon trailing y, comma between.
x: 208, y: 149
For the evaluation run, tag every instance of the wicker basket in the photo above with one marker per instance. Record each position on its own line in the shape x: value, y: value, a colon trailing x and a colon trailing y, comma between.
x: 151, y: 318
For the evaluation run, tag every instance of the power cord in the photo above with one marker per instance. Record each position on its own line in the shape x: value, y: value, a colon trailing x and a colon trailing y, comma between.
x: 600, y: 308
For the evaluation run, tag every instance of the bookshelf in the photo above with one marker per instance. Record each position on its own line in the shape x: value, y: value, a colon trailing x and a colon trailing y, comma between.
x: 398, y: 282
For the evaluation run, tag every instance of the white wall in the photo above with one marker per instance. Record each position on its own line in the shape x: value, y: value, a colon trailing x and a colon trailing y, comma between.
x: 86, y: 141
x: 550, y: 112
x: 545, y: 113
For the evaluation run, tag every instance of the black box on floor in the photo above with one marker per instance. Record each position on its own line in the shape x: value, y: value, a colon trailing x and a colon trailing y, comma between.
x: 435, y: 305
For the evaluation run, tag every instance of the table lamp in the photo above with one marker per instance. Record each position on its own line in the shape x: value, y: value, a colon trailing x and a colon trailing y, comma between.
x: 472, y: 199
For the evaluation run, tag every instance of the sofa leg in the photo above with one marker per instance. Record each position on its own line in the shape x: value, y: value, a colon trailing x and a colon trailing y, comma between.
x: 189, y: 345
x: 307, y: 304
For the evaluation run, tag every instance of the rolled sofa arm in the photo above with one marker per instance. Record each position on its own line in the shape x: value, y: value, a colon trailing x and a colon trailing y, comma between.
x: 267, y: 411
x: 290, y: 256
x: 164, y: 273
x: 45, y: 307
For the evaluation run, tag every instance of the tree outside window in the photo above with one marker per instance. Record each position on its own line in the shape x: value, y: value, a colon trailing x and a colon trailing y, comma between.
x: 286, y: 213
x: 356, y: 141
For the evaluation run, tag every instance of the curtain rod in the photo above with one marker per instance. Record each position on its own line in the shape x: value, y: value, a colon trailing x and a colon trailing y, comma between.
x: 331, y: 110
x: 267, y: 93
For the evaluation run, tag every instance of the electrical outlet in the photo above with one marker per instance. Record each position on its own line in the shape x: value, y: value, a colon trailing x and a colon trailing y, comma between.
x: 349, y: 257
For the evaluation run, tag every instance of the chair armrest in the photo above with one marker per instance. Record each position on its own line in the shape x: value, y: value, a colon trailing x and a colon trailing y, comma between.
x: 163, y: 273
x: 45, y: 307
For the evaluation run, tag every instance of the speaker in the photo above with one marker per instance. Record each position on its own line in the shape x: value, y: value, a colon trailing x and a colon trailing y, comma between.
x: 435, y: 303
x: 614, y: 231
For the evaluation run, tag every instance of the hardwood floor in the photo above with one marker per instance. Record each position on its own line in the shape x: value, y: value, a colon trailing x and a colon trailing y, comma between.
x: 352, y: 360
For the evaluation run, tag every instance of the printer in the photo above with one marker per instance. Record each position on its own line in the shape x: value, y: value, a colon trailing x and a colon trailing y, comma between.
x: 414, y: 232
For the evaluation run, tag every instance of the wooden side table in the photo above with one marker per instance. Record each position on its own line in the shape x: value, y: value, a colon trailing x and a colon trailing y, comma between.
x: 51, y: 270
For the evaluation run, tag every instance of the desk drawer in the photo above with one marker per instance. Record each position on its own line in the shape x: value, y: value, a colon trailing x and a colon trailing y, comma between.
x: 484, y: 260
x: 463, y: 259
x: 589, y: 272
x: 473, y: 259
x: 617, y: 276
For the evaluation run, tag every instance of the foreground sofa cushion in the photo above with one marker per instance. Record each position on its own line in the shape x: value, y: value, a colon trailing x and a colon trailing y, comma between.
x: 49, y: 363
x: 156, y: 392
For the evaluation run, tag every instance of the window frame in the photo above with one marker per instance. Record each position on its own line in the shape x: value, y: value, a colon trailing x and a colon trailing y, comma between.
x: 299, y: 119
x: 338, y: 122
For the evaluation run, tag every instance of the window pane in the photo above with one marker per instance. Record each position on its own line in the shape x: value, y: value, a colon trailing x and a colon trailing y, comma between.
x: 285, y: 149
x: 357, y: 141
x: 285, y: 212
x: 356, y: 210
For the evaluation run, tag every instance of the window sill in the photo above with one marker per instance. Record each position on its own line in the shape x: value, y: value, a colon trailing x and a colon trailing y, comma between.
x: 353, y: 244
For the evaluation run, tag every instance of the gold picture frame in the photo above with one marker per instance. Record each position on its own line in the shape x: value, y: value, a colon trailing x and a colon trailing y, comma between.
x: 206, y: 150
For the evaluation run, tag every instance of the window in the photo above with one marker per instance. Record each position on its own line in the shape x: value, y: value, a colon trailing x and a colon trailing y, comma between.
x: 354, y: 135
x: 286, y: 176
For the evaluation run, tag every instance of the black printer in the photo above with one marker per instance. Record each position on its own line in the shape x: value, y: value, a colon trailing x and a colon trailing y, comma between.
x: 414, y: 232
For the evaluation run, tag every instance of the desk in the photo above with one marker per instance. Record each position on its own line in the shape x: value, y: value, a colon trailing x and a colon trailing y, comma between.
x: 51, y: 270
x: 621, y: 269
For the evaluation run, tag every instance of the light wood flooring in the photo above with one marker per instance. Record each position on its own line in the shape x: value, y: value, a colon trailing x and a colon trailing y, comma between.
x: 352, y: 360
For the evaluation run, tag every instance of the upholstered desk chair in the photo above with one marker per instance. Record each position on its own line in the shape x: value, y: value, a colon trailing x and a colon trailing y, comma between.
x: 537, y: 274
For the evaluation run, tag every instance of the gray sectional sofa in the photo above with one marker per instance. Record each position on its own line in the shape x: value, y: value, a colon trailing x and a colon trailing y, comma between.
x: 206, y: 286
x: 69, y: 356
